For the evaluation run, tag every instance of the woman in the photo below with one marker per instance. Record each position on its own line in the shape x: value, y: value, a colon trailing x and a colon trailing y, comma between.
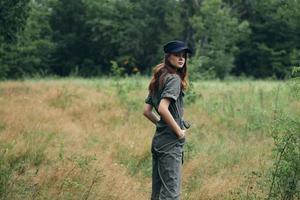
x: 166, y: 96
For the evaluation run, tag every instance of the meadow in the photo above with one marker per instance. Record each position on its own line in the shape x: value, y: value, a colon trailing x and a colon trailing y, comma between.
x: 88, y: 139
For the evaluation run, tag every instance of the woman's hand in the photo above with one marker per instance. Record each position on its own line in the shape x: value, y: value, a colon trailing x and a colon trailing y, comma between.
x: 181, y: 134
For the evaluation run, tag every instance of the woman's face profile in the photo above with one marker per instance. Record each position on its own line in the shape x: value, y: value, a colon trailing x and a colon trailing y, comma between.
x: 177, y: 59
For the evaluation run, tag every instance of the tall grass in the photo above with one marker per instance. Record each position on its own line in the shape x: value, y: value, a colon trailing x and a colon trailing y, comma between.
x: 87, y: 138
x: 285, y: 174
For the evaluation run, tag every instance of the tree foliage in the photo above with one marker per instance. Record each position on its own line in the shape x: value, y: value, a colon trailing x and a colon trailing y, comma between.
x: 217, y: 33
x: 13, y: 15
x: 84, y: 37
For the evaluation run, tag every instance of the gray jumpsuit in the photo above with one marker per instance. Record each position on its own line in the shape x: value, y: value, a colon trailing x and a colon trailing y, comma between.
x: 166, y: 148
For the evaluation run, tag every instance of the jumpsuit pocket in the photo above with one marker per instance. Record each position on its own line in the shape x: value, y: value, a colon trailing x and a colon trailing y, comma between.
x: 182, y: 140
x: 179, y: 146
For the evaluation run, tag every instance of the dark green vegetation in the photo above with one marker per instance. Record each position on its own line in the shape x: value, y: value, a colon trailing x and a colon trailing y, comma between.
x: 285, y: 182
x: 87, y: 37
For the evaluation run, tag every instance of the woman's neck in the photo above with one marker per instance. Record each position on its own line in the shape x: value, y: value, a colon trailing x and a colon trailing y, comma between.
x: 171, y: 68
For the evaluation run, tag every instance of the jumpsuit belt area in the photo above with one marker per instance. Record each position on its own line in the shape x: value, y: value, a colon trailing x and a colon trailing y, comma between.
x: 167, y: 159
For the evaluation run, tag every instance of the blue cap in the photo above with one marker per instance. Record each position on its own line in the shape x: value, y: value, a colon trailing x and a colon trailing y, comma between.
x: 176, y: 46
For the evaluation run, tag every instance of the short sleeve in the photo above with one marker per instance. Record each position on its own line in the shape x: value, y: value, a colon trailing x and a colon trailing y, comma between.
x: 172, y: 87
x: 148, y: 100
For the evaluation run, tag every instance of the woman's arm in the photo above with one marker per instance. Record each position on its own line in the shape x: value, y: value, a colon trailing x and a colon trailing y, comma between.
x: 164, y: 112
x: 149, y: 114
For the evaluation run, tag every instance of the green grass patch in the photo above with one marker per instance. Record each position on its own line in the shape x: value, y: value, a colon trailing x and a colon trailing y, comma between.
x: 136, y: 165
x: 2, y: 126
x: 64, y: 98
x: 12, y: 164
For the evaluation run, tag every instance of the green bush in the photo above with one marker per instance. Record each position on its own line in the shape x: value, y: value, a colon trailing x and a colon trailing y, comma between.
x: 285, y: 179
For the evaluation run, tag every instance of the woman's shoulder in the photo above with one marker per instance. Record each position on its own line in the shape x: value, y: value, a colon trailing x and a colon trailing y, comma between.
x: 172, y: 81
x: 172, y: 76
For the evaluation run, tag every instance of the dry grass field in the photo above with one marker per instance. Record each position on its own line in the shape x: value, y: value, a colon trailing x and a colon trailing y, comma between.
x: 87, y: 139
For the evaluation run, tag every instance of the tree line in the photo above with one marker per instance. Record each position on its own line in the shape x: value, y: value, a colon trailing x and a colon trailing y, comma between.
x: 86, y: 38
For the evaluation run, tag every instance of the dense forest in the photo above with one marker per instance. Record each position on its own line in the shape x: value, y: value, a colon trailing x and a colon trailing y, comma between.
x: 252, y: 38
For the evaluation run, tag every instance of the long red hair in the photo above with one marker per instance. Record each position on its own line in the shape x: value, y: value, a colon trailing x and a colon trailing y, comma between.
x: 162, y: 69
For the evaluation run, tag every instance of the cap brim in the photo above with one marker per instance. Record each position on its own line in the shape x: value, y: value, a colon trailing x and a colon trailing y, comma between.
x: 179, y: 49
